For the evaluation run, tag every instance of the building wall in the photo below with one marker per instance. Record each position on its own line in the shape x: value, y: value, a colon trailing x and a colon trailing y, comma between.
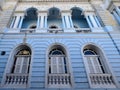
x: 72, y: 42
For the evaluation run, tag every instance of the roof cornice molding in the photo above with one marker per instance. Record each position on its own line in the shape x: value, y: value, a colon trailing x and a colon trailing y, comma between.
x: 54, y: 0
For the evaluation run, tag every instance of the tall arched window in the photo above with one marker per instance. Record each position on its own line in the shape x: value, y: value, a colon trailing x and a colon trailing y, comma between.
x: 79, y: 20
x: 17, y: 70
x: 30, y: 19
x: 58, y: 68
x: 54, y: 18
x: 97, y: 68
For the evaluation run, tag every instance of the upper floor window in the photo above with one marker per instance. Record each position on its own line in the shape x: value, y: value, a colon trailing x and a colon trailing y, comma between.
x: 58, y: 68
x: 54, y: 19
x: 116, y: 14
x: 30, y: 18
x: 97, y: 68
x: 78, y: 19
x: 17, y: 70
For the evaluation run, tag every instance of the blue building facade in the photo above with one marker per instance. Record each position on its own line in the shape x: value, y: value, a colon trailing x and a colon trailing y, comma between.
x: 59, y: 45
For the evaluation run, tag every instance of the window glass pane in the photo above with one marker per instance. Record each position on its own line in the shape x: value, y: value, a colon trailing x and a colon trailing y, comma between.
x: 18, y: 65
x: 89, y: 52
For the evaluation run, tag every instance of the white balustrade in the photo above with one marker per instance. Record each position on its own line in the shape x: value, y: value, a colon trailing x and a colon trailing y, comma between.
x: 102, y: 80
x: 16, y: 79
x: 27, y: 30
x: 59, y: 79
x: 55, y: 30
x: 82, y: 29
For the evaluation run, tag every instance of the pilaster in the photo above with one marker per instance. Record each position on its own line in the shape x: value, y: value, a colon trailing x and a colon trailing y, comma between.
x: 67, y: 21
x: 93, y: 21
x: 42, y: 21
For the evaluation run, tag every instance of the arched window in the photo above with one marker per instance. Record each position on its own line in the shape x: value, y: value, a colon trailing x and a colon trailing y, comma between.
x: 116, y: 14
x: 79, y: 20
x: 58, y: 68
x: 97, y: 68
x: 17, y: 72
x: 30, y: 18
x: 54, y: 18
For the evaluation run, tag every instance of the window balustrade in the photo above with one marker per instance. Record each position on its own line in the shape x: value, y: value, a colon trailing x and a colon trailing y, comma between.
x: 55, y: 30
x: 59, y: 79
x: 83, y: 29
x: 103, y: 80
x: 16, y: 79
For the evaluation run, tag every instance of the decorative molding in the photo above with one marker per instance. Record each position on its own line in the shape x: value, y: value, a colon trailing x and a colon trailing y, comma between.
x: 54, y: 0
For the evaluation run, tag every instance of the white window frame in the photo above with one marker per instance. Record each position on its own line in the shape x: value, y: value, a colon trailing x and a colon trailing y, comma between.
x: 9, y: 67
x: 20, y: 62
x: 98, y: 74
x: 65, y: 74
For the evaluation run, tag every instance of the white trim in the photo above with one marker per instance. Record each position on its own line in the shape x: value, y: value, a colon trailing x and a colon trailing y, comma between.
x: 109, y: 69
x: 69, y: 64
x: 11, y: 60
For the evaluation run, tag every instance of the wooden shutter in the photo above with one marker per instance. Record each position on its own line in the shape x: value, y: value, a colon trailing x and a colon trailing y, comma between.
x: 22, y: 64
x: 93, y: 64
x: 61, y: 67
x: 89, y: 64
x: 18, y: 65
x: 96, y: 64
x: 57, y: 65
x: 53, y: 65
x: 25, y: 64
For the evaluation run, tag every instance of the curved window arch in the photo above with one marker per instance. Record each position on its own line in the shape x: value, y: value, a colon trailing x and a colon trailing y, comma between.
x: 89, y: 52
x: 30, y: 18
x: 54, y: 19
x: 58, y: 68
x: 97, y: 68
x: 78, y: 19
x: 18, y: 72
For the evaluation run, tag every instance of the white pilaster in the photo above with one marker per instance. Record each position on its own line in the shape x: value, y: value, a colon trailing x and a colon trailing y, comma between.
x: 38, y: 22
x: 63, y: 22
x: 89, y: 23
x: 45, y: 22
x: 116, y: 16
x: 118, y: 11
x: 67, y: 21
x: 42, y: 22
x: 71, y: 22
x: 97, y: 21
x: 21, y: 21
x: 13, y: 20
x: 93, y: 21
x: 16, y: 22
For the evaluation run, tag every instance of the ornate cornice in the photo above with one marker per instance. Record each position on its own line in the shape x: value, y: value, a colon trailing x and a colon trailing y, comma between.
x: 54, y: 0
